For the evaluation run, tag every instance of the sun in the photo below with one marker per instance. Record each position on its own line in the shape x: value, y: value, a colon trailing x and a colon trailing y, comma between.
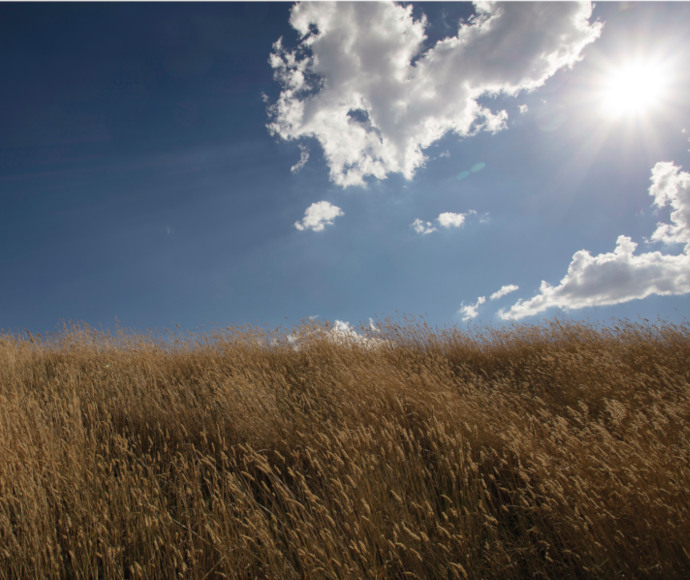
x: 633, y: 89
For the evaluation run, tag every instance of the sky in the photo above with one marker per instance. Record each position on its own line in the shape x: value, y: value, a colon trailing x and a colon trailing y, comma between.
x: 219, y: 164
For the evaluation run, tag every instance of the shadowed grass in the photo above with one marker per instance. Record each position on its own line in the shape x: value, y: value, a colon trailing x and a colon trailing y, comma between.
x: 554, y: 450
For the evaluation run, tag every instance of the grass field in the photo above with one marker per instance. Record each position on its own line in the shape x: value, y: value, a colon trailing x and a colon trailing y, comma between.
x: 560, y: 450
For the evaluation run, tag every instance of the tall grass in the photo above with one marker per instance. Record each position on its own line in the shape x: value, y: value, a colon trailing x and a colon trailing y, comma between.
x: 560, y: 450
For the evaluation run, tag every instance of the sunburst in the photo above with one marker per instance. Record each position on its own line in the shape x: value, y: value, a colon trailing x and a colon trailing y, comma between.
x: 635, y: 88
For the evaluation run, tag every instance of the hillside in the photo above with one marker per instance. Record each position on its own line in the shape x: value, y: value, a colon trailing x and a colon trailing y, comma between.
x: 560, y: 450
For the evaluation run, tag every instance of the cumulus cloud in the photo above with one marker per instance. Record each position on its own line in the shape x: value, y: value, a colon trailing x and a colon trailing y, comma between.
x: 452, y: 220
x: 422, y: 227
x: 319, y: 215
x: 503, y: 291
x: 341, y: 333
x: 303, y: 158
x: 621, y: 275
x: 470, y: 311
x: 361, y: 82
x: 671, y: 187
x: 446, y: 219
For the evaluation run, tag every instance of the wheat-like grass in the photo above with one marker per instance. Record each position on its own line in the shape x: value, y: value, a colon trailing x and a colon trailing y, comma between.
x: 553, y: 450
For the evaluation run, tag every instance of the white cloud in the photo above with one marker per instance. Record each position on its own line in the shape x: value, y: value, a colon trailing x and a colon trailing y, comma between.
x: 470, y: 311
x: 303, y: 158
x: 671, y: 186
x: 422, y: 227
x: 621, y: 276
x: 523, y: 109
x: 351, y: 82
x: 340, y: 333
x: 319, y: 215
x: 446, y: 219
x: 452, y: 220
x: 503, y: 291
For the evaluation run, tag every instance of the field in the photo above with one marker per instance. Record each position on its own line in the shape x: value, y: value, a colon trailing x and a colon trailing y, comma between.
x: 559, y: 450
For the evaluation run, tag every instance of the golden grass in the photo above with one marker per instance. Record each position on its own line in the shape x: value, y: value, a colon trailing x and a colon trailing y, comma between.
x: 560, y: 451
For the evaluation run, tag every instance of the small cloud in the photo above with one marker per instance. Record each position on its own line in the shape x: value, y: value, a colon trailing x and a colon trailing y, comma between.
x: 303, y: 158
x: 470, y: 311
x: 319, y: 215
x: 343, y: 333
x: 340, y: 333
x: 169, y: 230
x: 503, y: 291
x: 446, y: 220
x: 451, y: 220
x: 422, y: 227
x: 523, y: 109
x: 445, y: 153
x: 671, y: 186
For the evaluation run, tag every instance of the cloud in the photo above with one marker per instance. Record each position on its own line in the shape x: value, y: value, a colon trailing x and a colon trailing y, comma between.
x: 303, y: 158
x: 452, y: 220
x: 470, y: 311
x: 319, y: 215
x: 361, y: 82
x: 503, y: 291
x: 671, y: 186
x: 621, y: 275
x: 523, y: 109
x: 446, y: 219
x: 340, y: 333
x: 422, y: 227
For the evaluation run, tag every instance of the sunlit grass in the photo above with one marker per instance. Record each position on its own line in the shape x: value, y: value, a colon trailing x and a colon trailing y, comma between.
x: 559, y: 451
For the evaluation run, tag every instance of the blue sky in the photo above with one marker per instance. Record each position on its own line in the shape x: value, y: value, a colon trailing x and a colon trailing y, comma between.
x: 166, y: 164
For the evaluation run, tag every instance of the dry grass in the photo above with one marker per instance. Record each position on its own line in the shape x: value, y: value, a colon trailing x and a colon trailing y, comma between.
x: 559, y: 451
